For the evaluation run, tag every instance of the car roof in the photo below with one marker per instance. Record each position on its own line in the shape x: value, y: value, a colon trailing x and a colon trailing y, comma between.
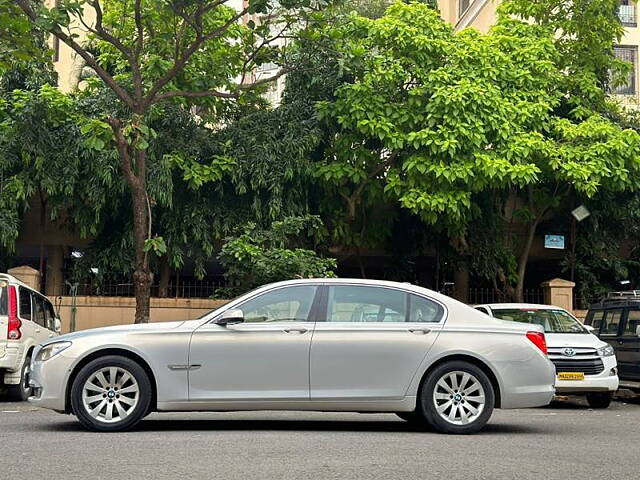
x: 363, y: 281
x: 520, y: 306
x: 13, y: 280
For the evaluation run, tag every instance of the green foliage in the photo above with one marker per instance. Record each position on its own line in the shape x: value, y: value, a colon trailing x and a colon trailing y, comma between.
x: 258, y: 256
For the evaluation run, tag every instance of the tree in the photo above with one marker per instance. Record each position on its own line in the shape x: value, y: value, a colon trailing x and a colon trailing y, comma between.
x: 437, y: 117
x: 150, y: 52
x: 256, y: 256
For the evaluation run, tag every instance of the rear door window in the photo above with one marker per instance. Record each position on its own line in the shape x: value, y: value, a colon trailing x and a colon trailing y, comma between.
x: 424, y: 310
x: 631, y: 326
x: 25, y: 304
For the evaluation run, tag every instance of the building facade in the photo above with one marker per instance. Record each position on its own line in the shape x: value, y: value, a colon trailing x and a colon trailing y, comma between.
x: 482, y: 14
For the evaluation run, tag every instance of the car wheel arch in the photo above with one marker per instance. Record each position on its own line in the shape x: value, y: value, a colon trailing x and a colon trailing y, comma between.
x: 123, y: 352
x: 470, y: 359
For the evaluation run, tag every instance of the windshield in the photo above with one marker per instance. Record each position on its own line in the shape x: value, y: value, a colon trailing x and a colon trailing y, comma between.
x: 553, y: 321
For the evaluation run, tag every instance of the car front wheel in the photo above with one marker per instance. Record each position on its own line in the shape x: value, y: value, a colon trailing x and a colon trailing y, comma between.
x: 457, y: 397
x: 111, y: 393
x: 599, y: 400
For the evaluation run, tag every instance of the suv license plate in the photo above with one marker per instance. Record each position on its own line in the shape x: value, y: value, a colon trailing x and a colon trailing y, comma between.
x: 570, y: 376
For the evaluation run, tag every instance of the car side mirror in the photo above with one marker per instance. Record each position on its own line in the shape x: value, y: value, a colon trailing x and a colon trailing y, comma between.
x: 589, y: 328
x: 57, y: 325
x: 638, y: 330
x: 230, y: 317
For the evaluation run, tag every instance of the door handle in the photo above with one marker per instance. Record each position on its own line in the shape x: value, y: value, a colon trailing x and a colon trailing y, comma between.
x: 37, y: 330
x: 419, y: 331
x: 299, y: 331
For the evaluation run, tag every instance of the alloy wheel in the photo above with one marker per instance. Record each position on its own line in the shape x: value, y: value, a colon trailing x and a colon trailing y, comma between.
x: 459, y: 397
x: 110, y: 394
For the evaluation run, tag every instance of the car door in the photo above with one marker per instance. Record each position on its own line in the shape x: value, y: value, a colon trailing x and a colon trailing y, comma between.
x: 371, y: 342
x: 628, y: 348
x: 264, y: 358
x: 607, y: 325
x: 50, y: 319
x: 41, y: 331
x: 4, y: 315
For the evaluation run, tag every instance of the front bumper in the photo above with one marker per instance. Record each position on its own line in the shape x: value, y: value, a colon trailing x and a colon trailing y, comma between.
x: 48, y: 380
x: 606, y: 381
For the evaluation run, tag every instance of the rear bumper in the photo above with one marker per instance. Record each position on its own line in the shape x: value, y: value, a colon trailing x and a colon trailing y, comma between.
x: 533, y: 387
x: 11, y: 364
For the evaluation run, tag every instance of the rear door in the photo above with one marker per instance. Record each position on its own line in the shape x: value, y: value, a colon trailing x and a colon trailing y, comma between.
x: 371, y: 342
x: 4, y: 315
x: 628, y: 348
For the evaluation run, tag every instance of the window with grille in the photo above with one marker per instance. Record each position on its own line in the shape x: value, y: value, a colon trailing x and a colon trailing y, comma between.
x: 627, y: 54
x: 627, y: 12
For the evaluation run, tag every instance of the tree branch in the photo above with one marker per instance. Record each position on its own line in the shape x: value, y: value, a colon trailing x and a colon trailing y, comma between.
x: 84, y: 54
x: 187, y: 54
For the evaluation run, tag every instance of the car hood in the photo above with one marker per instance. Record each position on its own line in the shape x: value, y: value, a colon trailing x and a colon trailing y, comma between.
x: 559, y: 340
x: 141, y: 327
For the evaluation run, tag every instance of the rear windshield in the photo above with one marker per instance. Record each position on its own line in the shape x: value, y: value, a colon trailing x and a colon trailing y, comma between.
x: 553, y: 321
x: 4, y: 299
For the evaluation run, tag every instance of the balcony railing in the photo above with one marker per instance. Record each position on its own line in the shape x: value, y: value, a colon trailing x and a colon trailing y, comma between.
x: 627, y: 15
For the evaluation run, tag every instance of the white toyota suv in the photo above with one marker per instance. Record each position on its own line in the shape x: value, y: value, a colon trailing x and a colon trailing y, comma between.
x: 585, y: 365
x: 27, y: 319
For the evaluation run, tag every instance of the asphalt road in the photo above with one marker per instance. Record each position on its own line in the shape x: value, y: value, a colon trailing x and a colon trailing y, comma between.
x: 565, y: 441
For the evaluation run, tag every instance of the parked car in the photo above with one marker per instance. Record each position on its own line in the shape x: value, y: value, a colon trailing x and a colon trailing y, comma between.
x: 616, y: 320
x: 27, y: 318
x: 584, y: 365
x: 303, y: 345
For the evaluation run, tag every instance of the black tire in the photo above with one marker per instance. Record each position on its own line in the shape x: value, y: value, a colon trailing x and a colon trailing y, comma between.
x: 429, y: 408
x: 136, y: 413
x: 599, y: 399
x: 22, y: 391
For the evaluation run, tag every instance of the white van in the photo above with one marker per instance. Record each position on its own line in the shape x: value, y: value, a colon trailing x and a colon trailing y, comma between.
x: 27, y: 319
x: 585, y: 365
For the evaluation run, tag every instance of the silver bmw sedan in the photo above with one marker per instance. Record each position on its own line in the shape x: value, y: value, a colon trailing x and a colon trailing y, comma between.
x: 313, y: 344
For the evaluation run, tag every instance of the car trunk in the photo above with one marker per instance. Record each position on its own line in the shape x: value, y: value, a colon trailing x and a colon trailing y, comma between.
x: 4, y: 315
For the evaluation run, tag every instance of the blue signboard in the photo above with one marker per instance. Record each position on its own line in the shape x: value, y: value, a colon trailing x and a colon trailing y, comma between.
x: 554, y: 241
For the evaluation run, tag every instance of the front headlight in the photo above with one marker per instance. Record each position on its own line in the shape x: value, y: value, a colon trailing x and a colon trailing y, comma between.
x: 606, y: 351
x: 51, y: 350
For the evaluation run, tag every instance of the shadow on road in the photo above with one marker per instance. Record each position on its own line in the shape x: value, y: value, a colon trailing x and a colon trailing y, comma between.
x: 168, y: 425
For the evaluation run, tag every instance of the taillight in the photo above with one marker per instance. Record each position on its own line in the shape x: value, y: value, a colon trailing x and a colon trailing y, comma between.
x: 14, y: 332
x: 537, y: 338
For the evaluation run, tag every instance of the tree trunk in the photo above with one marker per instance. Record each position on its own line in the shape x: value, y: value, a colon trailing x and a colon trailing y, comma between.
x: 518, y: 293
x: 461, y: 282
x: 165, y: 276
x: 135, y: 176
x: 142, y: 277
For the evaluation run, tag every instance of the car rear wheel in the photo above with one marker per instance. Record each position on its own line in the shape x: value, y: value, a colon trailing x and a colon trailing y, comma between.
x: 111, y: 393
x: 457, y: 397
x: 599, y: 399
x: 22, y: 391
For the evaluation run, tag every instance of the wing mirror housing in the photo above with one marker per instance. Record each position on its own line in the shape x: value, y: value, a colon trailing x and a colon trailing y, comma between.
x: 230, y: 317
x: 589, y: 328
x: 638, y: 330
x: 57, y: 325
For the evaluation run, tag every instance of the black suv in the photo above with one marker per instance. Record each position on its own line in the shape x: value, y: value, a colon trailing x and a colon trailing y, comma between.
x: 616, y: 320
